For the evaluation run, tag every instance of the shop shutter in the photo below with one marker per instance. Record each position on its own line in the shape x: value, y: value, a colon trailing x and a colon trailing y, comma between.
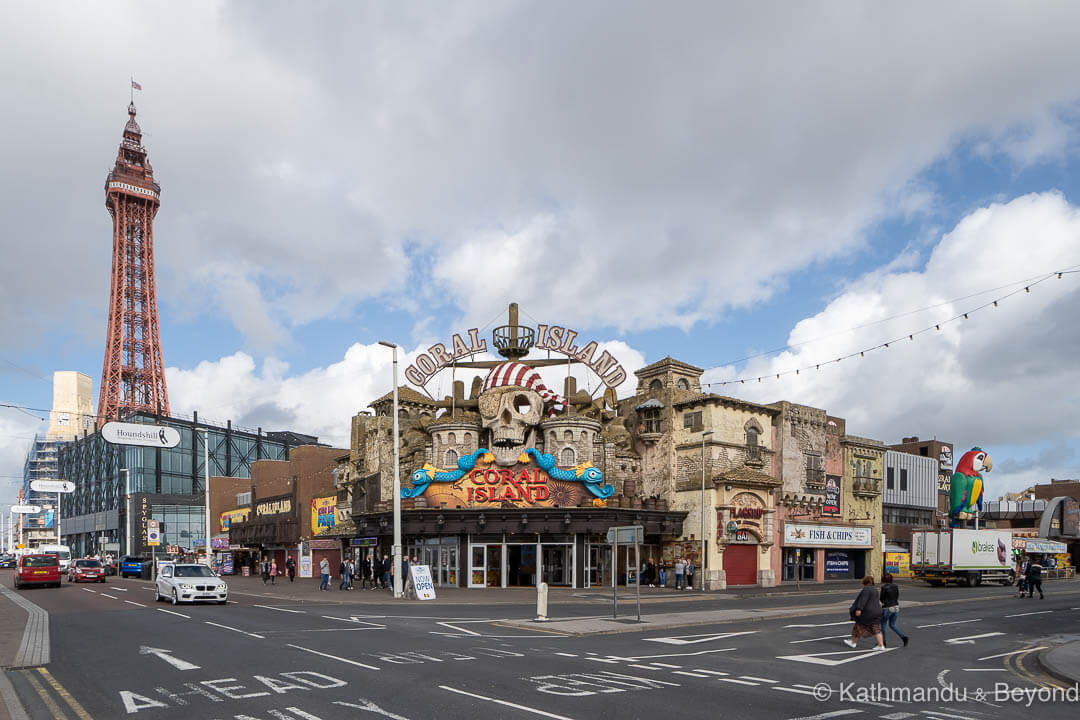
x: 740, y: 564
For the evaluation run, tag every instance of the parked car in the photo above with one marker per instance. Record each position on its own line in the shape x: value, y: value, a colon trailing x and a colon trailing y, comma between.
x: 131, y: 566
x: 37, y: 570
x: 184, y: 582
x: 87, y: 570
x: 7, y: 561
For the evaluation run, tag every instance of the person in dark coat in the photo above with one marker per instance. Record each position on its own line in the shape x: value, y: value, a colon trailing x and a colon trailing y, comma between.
x: 1034, y: 579
x: 290, y: 568
x: 866, y: 612
x: 264, y: 569
x: 890, y: 607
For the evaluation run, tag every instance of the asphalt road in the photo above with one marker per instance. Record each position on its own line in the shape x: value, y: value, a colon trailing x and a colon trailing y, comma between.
x: 117, y: 653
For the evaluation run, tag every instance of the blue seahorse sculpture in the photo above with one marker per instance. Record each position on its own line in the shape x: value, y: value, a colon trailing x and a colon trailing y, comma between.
x: 585, y: 472
x: 429, y: 473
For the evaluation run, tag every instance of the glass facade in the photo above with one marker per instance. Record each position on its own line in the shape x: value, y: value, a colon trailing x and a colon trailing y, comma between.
x: 104, y: 474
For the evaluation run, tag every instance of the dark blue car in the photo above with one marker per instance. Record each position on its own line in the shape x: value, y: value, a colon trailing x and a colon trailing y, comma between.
x: 131, y: 566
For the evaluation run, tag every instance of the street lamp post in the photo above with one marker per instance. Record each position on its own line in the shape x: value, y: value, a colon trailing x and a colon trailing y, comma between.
x: 704, y: 561
x: 206, y: 484
x: 398, y: 580
x: 127, y: 512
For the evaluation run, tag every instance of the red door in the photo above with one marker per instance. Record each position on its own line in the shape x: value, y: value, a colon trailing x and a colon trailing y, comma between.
x: 740, y: 564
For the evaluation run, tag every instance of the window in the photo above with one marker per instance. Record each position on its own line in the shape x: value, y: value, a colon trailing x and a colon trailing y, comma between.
x: 682, y: 384
x: 451, y: 458
x: 903, y: 479
x: 650, y: 418
x: 888, y: 478
x: 451, y: 439
x: 691, y: 420
x: 752, y: 437
x: 656, y: 385
x: 815, y: 469
x: 567, y: 457
x: 243, y: 499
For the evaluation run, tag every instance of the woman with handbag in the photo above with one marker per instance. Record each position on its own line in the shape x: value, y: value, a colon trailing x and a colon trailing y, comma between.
x: 866, y: 613
x: 890, y: 607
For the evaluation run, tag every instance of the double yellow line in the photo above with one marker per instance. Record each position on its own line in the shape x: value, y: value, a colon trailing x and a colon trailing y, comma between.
x: 79, y: 711
x: 1015, y: 663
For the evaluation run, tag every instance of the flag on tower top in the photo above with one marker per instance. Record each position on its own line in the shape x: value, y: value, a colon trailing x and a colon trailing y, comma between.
x: 135, y: 85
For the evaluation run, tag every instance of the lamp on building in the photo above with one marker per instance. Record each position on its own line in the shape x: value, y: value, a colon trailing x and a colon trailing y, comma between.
x: 704, y: 561
x: 398, y: 580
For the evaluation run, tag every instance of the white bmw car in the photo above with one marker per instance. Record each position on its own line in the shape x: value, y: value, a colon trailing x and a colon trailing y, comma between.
x: 190, y: 583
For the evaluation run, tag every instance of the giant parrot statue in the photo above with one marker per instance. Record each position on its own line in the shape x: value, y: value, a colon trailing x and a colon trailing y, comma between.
x: 966, y: 488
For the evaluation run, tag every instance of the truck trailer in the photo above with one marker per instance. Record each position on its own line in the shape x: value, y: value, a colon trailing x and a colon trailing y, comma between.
x: 965, y: 557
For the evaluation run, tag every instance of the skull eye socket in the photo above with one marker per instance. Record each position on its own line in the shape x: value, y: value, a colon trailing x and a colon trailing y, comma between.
x: 522, y: 404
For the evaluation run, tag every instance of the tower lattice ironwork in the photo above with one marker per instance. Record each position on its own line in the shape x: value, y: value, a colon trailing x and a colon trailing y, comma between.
x: 133, y: 375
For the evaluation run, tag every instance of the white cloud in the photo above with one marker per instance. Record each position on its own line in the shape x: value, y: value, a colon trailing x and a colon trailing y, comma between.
x: 1006, y: 377
x: 17, y: 431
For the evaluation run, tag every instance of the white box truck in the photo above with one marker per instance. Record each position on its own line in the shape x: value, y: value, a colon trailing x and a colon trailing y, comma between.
x: 965, y: 557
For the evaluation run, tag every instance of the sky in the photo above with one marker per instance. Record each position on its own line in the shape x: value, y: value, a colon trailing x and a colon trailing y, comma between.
x: 752, y: 188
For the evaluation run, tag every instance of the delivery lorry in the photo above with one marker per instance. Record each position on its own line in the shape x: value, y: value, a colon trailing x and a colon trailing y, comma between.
x: 964, y: 557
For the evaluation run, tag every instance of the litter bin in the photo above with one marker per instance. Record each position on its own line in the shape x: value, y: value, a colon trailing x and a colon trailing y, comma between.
x: 147, y: 571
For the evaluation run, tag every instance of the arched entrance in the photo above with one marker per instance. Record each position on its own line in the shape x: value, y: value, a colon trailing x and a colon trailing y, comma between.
x: 740, y: 564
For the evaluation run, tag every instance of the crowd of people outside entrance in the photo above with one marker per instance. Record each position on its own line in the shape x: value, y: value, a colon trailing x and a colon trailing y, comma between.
x: 656, y: 574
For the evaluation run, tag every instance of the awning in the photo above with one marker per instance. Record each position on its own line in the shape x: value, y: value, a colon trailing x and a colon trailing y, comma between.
x: 895, y: 549
x: 1049, y: 547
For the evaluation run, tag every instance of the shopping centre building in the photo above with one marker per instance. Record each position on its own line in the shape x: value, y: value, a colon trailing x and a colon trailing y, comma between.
x: 514, y: 483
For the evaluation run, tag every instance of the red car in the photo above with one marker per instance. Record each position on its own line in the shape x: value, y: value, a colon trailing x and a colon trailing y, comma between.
x: 37, y: 570
x: 88, y: 570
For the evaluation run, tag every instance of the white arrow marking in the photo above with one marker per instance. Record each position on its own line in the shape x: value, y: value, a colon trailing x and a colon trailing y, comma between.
x: 167, y: 657
x: 693, y: 639
x: 370, y: 707
x: 353, y: 619
x: 827, y: 659
x: 970, y: 639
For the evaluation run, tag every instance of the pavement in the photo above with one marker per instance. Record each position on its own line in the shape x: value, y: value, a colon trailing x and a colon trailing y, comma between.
x: 296, y: 653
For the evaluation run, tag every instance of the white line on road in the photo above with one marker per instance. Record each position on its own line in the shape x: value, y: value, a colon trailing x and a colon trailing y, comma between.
x: 955, y: 622
x: 764, y: 680
x: 970, y: 639
x: 793, y: 690
x: 109, y: 596
x: 132, y: 602
x: 738, y: 682
x: 939, y: 714
x: 1037, y: 612
x: 566, y: 654
x: 713, y: 672
x: 668, y: 665
x: 119, y: 589
x: 830, y: 637
x: 236, y: 630
x: 334, y: 657
x: 174, y: 613
x: 985, y: 669
x: 691, y: 673
x: 1014, y: 652
x: 166, y: 655
x: 845, y: 622
x: 689, y: 654
x: 826, y: 716
x: 645, y: 667
x: 506, y: 702
x: 88, y: 590
x: 269, y: 607
x: 368, y: 705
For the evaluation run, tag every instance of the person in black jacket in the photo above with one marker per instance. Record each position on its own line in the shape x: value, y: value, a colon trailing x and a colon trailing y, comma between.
x: 866, y: 612
x: 1034, y: 579
x: 890, y: 607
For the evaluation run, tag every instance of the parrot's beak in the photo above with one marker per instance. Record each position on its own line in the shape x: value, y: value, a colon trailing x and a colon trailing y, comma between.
x: 988, y: 464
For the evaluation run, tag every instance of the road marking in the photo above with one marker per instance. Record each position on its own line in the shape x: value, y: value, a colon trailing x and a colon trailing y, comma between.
x: 166, y: 655
x: 955, y: 622
x: 1014, y: 652
x: 738, y: 682
x: 226, y: 627
x: 109, y: 596
x: 132, y: 602
x: 118, y: 589
x: 694, y: 639
x: 834, y: 713
x: 986, y: 669
x: 845, y: 622
x: 970, y: 639
x: 353, y: 620
x: 646, y: 667
x: 68, y: 697
x: 368, y: 705
x: 269, y: 607
x: 898, y: 716
x: 610, y: 661
x: 712, y: 672
x: 174, y: 613
x: 88, y: 590
x: 793, y: 690
x: 45, y: 697
x: 691, y: 673
x: 566, y: 654
x: 689, y: 654
x: 764, y: 680
x: 535, y: 711
x: 830, y: 637
x: 667, y: 665
x: 334, y: 657
x: 827, y: 659
x: 1037, y: 612
x: 939, y: 713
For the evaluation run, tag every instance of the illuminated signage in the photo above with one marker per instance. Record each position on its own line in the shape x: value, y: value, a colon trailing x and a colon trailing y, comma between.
x: 519, y: 486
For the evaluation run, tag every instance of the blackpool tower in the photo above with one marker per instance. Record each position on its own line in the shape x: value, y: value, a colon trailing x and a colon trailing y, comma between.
x: 133, y: 376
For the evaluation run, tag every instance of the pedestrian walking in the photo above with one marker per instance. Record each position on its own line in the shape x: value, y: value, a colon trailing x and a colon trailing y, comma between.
x: 866, y: 614
x: 650, y: 572
x: 273, y: 571
x: 290, y: 568
x: 264, y: 570
x: 680, y: 573
x: 324, y: 574
x: 365, y: 573
x: 350, y: 570
x: 1034, y: 579
x: 890, y: 608
x: 343, y: 568
x: 387, y: 572
x: 663, y: 573
x: 690, y: 574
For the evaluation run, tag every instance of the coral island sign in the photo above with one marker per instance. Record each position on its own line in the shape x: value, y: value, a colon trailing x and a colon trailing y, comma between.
x: 555, y: 338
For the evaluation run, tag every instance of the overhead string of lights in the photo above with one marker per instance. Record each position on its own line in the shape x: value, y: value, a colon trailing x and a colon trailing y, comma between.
x: 1025, y: 287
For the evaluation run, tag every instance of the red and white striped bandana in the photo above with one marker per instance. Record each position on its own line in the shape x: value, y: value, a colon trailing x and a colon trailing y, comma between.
x: 521, y: 375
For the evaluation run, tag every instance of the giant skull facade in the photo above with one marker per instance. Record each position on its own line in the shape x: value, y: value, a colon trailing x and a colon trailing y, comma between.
x: 511, y: 415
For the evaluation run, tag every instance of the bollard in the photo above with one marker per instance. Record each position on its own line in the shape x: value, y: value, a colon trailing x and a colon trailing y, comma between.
x: 541, y: 602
